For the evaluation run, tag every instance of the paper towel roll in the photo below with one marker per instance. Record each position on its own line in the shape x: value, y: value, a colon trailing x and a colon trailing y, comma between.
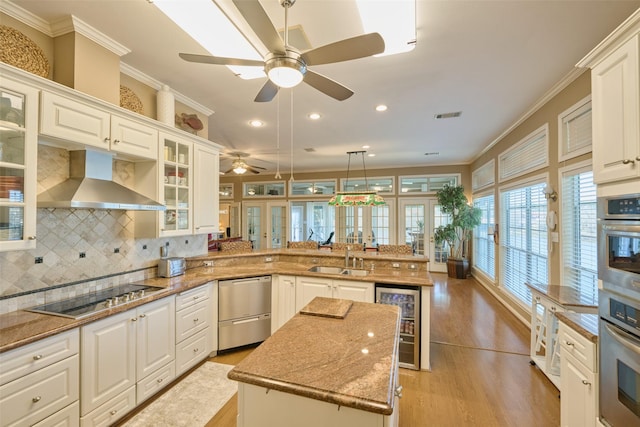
x: 166, y: 106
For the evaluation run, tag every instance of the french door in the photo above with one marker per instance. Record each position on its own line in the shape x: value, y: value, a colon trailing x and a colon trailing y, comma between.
x: 265, y: 224
x: 418, y: 217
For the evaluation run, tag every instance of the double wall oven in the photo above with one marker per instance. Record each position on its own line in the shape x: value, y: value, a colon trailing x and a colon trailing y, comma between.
x: 619, y: 310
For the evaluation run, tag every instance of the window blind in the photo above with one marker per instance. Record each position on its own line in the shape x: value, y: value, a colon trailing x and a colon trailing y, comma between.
x: 484, y: 176
x: 575, y: 130
x: 483, y: 246
x: 579, y: 237
x: 523, y: 240
x: 529, y: 154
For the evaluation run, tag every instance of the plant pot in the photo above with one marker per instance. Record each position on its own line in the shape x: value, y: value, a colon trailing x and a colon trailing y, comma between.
x: 458, y: 268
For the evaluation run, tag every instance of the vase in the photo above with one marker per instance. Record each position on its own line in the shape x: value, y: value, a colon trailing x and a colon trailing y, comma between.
x: 458, y: 268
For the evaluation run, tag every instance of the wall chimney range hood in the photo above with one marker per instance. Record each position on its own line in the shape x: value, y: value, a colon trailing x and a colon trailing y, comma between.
x: 90, y: 186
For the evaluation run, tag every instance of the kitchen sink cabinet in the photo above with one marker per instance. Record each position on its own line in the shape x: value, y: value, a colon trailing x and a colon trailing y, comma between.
x: 121, y: 350
x: 70, y: 120
x: 18, y: 164
x: 283, y: 298
x: 39, y: 382
x: 307, y: 288
x: 578, y: 379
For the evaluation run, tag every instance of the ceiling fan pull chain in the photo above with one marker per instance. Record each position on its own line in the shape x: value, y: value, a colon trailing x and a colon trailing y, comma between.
x: 291, y: 97
x: 278, y: 139
x: 364, y: 168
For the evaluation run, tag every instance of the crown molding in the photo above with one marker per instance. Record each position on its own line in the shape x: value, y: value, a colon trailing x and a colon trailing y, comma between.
x: 156, y: 84
x: 73, y: 23
x: 26, y: 17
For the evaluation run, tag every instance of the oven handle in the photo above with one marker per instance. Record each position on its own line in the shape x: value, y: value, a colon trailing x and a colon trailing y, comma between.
x: 624, y: 338
x: 621, y: 226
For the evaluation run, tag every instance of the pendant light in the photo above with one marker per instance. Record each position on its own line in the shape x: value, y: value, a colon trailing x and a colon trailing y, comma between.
x: 356, y: 198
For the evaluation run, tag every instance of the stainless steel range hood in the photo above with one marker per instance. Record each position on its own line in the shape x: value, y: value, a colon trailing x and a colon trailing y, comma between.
x: 90, y: 186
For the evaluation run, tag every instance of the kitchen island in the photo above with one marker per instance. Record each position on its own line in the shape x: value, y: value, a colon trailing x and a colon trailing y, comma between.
x: 334, y: 363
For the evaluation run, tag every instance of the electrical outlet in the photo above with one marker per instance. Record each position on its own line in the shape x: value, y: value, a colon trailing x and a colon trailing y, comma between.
x: 83, y: 254
x: 39, y: 260
x: 412, y: 266
x: 144, y: 246
x: 116, y: 251
x: 268, y: 259
x: 395, y: 265
x: 207, y: 263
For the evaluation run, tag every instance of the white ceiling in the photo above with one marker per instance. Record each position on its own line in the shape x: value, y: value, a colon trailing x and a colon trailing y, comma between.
x: 492, y: 60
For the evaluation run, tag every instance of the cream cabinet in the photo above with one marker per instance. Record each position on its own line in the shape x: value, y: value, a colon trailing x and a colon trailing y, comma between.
x: 206, y: 207
x: 194, y: 325
x: 18, y: 164
x: 307, y: 288
x: 578, y: 379
x: 121, y: 350
x: 616, y: 114
x: 283, y: 300
x: 40, y: 382
x: 71, y: 120
x: 176, y: 184
x: 544, y: 346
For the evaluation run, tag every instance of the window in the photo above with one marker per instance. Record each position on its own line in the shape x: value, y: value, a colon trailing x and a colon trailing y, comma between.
x: 426, y: 184
x: 574, y: 130
x: 483, y: 245
x: 263, y: 189
x: 523, y: 239
x: 484, y: 176
x: 312, y: 188
x: 226, y: 191
x: 579, y: 237
x: 529, y: 154
x: 379, y: 184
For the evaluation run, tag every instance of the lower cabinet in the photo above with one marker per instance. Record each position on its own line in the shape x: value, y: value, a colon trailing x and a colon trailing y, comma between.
x: 120, y: 351
x: 39, y: 382
x: 578, y: 379
x: 283, y: 300
x: 195, y: 323
x: 307, y: 288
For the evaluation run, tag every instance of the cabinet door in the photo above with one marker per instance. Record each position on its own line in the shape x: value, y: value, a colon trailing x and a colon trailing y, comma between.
x: 283, y: 298
x: 176, y: 185
x: 307, y: 288
x: 18, y: 160
x: 577, y: 394
x: 107, y: 359
x: 133, y: 138
x: 156, y: 340
x: 356, y: 291
x: 72, y: 121
x: 206, y: 210
x: 616, y: 109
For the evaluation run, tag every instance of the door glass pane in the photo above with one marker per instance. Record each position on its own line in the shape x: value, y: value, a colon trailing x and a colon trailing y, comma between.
x: 312, y: 221
x: 11, y: 223
x: 380, y: 225
x: 253, y: 226
x: 278, y: 226
x: 414, y: 227
x: 441, y: 252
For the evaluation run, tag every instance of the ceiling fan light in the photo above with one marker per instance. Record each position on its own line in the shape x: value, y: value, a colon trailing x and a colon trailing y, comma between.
x: 285, y: 71
x: 239, y: 170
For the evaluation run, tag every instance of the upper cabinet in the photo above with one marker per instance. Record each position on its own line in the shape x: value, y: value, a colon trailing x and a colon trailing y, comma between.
x: 73, y: 121
x: 206, y: 212
x: 176, y: 180
x: 18, y: 164
x: 615, y: 97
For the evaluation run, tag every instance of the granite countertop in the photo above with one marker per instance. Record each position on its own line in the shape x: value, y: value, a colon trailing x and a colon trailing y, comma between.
x: 585, y: 324
x: 350, y: 361
x: 21, y: 327
x: 565, y: 296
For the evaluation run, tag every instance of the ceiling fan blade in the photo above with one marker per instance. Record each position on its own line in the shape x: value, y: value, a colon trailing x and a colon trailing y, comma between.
x: 219, y: 60
x: 345, y: 50
x: 327, y: 86
x: 257, y: 167
x: 268, y: 92
x: 253, y: 170
x: 260, y: 23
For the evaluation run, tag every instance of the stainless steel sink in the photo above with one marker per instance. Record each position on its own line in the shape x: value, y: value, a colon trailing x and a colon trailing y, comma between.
x: 326, y: 269
x: 352, y: 272
x: 337, y: 270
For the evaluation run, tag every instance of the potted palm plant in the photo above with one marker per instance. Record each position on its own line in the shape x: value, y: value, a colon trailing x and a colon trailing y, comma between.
x: 456, y: 234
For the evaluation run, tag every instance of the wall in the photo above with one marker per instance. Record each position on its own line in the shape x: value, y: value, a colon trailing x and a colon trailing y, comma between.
x: 548, y: 113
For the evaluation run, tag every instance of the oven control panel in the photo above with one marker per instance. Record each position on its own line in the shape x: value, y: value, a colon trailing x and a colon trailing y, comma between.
x: 624, y: 206
x: 625, y: 313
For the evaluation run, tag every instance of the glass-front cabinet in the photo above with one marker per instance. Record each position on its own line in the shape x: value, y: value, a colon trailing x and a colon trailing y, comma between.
x: 176, y: 184
x: 18, y: 162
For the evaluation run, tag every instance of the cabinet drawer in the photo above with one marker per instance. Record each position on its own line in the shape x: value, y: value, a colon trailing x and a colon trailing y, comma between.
x: 24, y: 360
x: 192, y: 350
x: 192, y: 320
x: 66, y: 417
x: 34, y: 397
x: 578, y: 346
x: 111, y: 411
x: 192, y: 296
x: 155, y: 382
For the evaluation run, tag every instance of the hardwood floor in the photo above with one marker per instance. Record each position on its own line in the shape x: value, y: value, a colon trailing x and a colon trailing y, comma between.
x: 480, y: 375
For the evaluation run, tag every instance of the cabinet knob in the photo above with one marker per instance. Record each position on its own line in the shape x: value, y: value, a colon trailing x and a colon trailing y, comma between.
x: 106, y: 140
x: 143, y: 315
x: 134, y: 319
x: 195, y: 350
x: 195, y: 320
x: 569, y: 343
x: 638, y: 158
x: 116, y: 141
x: 160, y: 380
x: 398, y: 391
x: 31, y: 237
x: 36, y: 399
x: 627, y: 161
x: 585, y: 382
x: 37, y: 357
x: 113, y: 412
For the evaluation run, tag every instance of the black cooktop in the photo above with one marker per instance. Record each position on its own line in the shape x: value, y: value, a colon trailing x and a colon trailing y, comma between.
x: 86, y: 305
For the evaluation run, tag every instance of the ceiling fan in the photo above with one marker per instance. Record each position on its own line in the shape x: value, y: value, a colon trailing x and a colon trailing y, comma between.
x: 239, y: 166
x: 285, y: 65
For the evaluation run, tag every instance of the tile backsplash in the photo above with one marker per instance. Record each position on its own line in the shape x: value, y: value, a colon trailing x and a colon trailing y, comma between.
x: 80, y: 245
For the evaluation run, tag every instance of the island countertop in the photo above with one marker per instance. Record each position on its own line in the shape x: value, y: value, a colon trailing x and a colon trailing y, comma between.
x: 350, y: 361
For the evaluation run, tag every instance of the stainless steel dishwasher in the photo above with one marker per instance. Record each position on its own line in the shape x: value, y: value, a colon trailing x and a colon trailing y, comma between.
x: 244, y: 311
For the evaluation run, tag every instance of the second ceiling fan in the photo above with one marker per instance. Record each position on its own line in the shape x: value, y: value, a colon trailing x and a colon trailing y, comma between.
x: 285, y: 65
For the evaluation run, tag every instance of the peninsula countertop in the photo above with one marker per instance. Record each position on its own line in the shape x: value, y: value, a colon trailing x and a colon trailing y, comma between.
x: 349, y: 361
x: 566, y: 296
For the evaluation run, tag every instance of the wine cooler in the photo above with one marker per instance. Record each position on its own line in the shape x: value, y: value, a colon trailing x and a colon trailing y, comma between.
x: 408, y: 299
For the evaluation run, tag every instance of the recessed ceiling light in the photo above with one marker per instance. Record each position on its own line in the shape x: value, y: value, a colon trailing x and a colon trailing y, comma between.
x: 371, y: 155
x: 256, y: 123
x: 381, y: 107
x: 314, y: 116
x: 366, y: 146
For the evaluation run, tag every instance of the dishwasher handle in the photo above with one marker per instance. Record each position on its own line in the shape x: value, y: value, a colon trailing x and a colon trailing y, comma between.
x: 263, y: 279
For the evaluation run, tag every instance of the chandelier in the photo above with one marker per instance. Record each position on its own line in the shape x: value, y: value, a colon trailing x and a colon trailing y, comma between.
x: 356, y: 198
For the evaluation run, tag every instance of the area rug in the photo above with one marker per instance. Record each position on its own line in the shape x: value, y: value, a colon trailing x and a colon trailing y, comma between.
x: 192, y: 402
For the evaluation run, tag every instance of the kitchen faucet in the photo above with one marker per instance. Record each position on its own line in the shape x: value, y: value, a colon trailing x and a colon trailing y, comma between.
x: 346, y: 257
